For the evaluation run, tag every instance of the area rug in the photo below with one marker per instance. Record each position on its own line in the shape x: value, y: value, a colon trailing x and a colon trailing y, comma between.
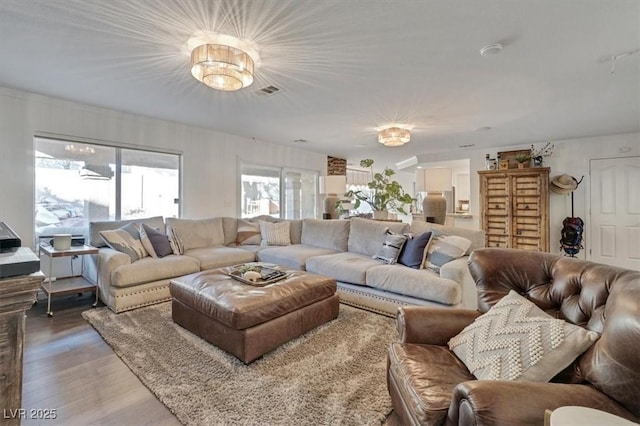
x: 335, y: 374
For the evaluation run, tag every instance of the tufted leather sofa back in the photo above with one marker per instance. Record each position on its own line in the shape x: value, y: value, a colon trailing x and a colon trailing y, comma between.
x: 601, y: 298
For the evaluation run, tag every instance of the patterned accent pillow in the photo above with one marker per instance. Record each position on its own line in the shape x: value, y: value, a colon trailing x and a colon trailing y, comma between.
x: 177, y: 247
x: 248, y: 233
x: 516, y: 340
x: 414, y: 251
x: 126, y: 240
x: 275, y: 234
x: 391, y: 247
x: 154, y: 241
x: 443, y: 249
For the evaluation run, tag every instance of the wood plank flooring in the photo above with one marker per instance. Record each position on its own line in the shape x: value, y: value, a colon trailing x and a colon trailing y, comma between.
x: 69, y: 368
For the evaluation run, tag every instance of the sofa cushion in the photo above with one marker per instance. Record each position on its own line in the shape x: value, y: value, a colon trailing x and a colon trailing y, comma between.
x: 366, y: 235
x: 329, y: 234
x: 126, y: 240
x: 96, y: 240
x: 195, y: 233
x: 420, y: 283
x: 248, y: 232
x: 230, y: 229
x: 415, y: 250
x: 425, y: 376
x: 443, y: 249
x: 275, y: 234
x: 155, y: 242
x: 516, y: 340
x: 150, y: 269
x: 345, y: 267
x: 294, y: 256
x: 295, y: 231
x: 390, y: 249
x: 216, y: 257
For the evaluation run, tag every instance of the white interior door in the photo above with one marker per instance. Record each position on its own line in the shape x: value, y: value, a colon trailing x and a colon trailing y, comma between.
x: 615, y: 211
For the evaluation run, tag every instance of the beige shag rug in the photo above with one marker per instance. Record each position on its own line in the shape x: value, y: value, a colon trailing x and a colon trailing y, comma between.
x: 335, y: 374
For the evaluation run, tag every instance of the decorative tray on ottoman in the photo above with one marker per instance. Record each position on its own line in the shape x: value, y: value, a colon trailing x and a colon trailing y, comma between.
x: 256, y: 274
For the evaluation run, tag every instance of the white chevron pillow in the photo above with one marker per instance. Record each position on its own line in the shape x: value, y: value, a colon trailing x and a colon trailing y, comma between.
x: 516, y: 340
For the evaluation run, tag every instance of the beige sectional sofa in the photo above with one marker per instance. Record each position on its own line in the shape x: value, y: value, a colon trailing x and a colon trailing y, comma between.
x: 341, y: 249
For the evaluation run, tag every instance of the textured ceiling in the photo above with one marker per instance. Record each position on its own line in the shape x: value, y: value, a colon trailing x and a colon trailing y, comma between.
x: 345, y: 68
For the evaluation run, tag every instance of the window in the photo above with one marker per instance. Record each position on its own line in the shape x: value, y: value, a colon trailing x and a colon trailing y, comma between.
x: 277, y: 192
x: 77, y: 183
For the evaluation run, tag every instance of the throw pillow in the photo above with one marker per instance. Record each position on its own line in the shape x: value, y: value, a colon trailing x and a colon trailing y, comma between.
x: 391, y: 247
x: 443, y: 249
x: 126, y: 240
x: 275, y: 234
x: 154, y: 241
x: 415, y: 250
x: 177, y: 247
x: 248, y: 233
x: 516, y: 340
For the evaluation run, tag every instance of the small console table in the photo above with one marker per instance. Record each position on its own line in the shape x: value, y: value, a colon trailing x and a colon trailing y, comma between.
x: 70, y: 285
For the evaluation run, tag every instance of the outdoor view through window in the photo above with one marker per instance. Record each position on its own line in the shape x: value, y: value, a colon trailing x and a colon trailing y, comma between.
x: 77, y: 183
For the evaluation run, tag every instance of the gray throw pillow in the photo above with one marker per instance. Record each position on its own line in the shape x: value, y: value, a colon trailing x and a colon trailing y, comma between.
x: 516, y: 340
x: 391, y: 247
x: 443, y: 249
x: 126, y: 240
x: 154, y: 241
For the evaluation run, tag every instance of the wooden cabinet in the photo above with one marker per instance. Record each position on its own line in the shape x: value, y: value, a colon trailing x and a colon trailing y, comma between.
x: 514, y: 205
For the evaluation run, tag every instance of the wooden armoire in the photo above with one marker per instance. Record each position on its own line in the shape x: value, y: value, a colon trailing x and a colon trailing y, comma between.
x: 514, y: 208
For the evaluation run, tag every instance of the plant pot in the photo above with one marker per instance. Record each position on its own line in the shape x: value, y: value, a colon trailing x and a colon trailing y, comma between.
x: 521, y: 165
x: 380, y: 215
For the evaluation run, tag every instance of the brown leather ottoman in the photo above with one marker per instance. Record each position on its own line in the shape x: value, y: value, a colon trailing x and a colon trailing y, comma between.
x: 249, y: 321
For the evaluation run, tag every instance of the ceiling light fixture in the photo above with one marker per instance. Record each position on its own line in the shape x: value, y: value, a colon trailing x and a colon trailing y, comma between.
x: 222, y: 62
x: 394, y: 136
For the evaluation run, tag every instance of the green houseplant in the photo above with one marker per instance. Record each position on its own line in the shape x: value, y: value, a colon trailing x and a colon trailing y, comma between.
x: 383, y: 195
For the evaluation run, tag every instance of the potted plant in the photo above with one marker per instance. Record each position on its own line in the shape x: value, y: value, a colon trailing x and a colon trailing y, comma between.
x: 383, y: 194
x: 522, y: 159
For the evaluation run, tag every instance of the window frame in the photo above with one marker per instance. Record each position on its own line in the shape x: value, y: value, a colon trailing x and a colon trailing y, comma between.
x: 282, y: 170
x: 118, y: 147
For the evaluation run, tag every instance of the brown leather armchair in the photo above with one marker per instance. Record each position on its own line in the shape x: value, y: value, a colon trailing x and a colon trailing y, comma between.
x: 429, y: 385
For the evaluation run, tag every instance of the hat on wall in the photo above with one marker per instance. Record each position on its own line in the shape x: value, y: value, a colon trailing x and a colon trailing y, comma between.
x: 563, y: 184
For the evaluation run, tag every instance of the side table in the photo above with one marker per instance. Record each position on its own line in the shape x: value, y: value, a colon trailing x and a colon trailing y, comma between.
x: 61, y: 288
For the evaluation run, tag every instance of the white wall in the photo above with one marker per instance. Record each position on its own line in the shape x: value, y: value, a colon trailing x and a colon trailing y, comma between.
x: 209, y: 158
x: 570, y: 156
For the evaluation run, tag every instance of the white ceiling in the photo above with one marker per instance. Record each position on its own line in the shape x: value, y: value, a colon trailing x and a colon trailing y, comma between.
x: 344, y: 67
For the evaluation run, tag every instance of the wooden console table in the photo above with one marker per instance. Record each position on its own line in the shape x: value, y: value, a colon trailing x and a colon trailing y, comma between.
x: 17, y: 295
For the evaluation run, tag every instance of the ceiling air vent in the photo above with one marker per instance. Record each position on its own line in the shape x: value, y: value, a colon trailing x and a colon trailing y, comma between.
x: 269, y: 90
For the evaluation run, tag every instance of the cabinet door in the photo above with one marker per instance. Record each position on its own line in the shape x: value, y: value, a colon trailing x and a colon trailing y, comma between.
x: 526, y: 233
x: 527, y: 214
x: 495, y: 210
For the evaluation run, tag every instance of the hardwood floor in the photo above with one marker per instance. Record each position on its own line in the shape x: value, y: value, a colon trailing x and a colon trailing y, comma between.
x: 70, y: 369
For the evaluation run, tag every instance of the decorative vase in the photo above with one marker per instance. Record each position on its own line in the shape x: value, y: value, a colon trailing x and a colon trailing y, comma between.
x: 537, y: 161
x: 380, y: 215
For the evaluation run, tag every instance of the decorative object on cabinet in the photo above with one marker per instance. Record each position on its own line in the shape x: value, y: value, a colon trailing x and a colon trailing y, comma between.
x: 514, y: 206
x: 572, y: 227
x: 434, y: 182
x: 515, y: 157
x: 538, y: 154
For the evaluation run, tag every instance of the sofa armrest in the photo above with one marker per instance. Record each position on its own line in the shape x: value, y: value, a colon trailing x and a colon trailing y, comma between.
x: 108, y: 260
x: 458, y: 270
x: 502, y: 403
x: 432, y: 326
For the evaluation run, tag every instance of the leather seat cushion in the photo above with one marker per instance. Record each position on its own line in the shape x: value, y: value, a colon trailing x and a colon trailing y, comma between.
x: 240, y: 306
x: 425, y: 376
